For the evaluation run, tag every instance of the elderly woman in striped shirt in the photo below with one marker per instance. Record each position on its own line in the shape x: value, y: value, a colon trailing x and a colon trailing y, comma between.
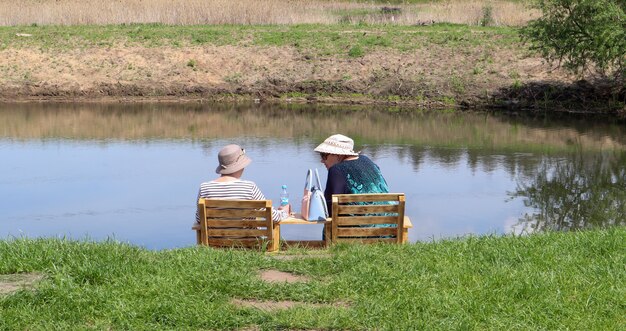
x: 229, y: 185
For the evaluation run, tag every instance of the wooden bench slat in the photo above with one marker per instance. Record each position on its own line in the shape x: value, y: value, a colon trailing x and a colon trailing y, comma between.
x: 247, y: 243
x: 367, y: 209
x: 357, y: 220
x: 217, y: 223
x: 236, y: 233
x: 369, y: 240
x: 343, y: 198
x: 234, y: 213
x: 216, y: 203
x: 366, y: 232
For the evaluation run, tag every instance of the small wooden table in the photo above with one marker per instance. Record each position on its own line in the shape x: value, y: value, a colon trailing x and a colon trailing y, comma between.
x: 297, y: 219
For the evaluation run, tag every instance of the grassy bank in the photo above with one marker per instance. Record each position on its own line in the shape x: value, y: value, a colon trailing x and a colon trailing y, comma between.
x: 544, y: 281
x: 311, y: 39
x: 440, y: 65
x: 437, y: 66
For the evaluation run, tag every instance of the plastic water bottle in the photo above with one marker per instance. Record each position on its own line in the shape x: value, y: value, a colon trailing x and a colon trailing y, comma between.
x: 284, y: 196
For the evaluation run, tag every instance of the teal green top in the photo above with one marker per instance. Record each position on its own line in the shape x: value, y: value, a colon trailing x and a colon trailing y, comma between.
x: 354, y: 177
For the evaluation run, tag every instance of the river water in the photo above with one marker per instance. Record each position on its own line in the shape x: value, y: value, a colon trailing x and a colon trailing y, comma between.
x: 131, y: 171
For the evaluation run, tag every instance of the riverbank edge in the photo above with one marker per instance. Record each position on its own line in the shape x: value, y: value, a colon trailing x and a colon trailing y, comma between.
x: 529, y: 99
x: 549, y: 280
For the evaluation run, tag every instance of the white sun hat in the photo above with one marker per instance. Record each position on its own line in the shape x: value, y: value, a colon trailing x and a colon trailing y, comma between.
x: 337, y: 144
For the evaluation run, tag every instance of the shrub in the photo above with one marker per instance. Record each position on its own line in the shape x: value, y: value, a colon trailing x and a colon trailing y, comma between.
x: 487, y: 18
x: 356, y: 51
x: 581, y: 34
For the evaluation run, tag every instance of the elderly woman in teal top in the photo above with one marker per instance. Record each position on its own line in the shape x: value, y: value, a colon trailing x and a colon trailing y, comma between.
x: 348, y: 172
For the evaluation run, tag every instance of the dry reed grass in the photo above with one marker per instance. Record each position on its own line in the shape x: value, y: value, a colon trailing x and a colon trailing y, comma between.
x: 192, y: 12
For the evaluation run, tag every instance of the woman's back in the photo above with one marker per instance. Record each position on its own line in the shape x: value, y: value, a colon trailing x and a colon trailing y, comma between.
x: 361, y: 175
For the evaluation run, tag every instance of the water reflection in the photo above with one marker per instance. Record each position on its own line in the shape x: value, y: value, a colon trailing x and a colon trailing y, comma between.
x: 302, y: 122
x: 578, y: 192
x: 132, y: 171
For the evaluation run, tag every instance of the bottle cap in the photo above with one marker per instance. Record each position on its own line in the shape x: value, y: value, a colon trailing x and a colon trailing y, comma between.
x: 284, y: 186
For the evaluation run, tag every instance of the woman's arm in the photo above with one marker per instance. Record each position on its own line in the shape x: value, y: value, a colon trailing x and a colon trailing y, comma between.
x: 197, y: 215
x: 277, y: 215
x: 335, y: 184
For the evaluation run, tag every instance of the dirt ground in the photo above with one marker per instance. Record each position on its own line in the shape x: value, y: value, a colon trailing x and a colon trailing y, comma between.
x: 424, y: 75
x: 276, y: 276
x: 14, y: 282
x: 431, y: 77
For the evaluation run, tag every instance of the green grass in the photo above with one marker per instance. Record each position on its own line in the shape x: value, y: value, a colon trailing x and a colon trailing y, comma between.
x: 313, y: 39
x: 546, y: 281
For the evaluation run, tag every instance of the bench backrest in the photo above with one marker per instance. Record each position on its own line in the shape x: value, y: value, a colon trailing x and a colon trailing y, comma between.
x: 237, y: 223
x: 367, y: 218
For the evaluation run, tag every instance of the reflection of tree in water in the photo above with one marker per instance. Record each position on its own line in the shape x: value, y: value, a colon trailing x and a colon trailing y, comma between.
x: 515, y: 164
x: 418, y: 154
x: 447, y: 157
x: 584, y: 191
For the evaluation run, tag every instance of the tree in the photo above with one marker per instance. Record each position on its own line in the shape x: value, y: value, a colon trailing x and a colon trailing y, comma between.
x: 581, y: 35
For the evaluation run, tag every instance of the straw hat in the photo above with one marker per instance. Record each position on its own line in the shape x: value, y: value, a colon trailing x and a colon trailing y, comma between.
x: 337, y: 144
x: 232, y: 158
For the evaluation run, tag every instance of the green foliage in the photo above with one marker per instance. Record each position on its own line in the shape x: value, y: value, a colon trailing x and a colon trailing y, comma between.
x: 356, y: 51
x: 487, y: 18
x: 457, y: 84
x: 313, y: 39
x: 581, y: 34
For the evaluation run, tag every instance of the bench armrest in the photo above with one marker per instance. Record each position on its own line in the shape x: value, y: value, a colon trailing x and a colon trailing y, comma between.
x: 407, y: 222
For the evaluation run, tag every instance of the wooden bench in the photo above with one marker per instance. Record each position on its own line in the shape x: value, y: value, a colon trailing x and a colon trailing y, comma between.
x: 360, y: 218
x: 237, y: 223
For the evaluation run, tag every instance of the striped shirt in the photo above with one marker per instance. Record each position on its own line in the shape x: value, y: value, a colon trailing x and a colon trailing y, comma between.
x: 234, y: 190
